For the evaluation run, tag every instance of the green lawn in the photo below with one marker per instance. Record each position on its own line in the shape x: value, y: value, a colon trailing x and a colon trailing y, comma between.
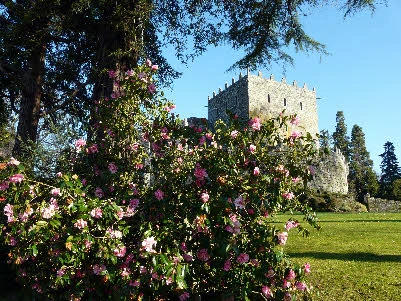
x: 353, y: 257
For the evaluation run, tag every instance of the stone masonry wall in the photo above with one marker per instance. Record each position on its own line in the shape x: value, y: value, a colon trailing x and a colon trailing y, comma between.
x: 233, y: 98
x: 331, y: 174
x: 382, y: 205
x: 268, y: 97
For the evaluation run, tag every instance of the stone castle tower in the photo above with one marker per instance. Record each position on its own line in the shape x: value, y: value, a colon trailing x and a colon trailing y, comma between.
x: 253, y: 96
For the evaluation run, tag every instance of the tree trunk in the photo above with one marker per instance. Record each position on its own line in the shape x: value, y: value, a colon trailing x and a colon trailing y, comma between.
x: 27, y: 130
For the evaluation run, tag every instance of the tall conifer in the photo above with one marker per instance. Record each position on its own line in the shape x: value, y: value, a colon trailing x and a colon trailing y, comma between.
x: 362, y: 177
x: 340, y: 138
x: 390, y: 170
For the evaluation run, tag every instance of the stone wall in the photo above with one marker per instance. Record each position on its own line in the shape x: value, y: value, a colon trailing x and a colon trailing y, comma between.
x: 382, y: 205
x: 233, y: 98
x: 331, y: 172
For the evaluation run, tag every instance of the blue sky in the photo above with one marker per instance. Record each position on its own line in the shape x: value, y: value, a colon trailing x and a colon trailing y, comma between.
x: 361, y: 76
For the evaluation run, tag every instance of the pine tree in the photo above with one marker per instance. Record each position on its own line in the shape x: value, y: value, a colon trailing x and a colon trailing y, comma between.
x: 390, y: 170
x: 340, y: 138
x: 325, y: 139
x: 362, y: 177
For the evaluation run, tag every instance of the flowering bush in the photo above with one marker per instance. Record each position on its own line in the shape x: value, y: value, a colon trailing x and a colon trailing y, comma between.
x: 156, y: 209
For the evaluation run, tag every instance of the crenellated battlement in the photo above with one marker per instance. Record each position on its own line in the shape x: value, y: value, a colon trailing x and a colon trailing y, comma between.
x: 271, y: 78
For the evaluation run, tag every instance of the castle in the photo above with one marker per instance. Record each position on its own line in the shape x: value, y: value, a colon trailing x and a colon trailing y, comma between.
x: 253, y: 96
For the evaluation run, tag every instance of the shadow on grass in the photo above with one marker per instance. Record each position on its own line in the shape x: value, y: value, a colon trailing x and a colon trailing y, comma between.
x: 358, y: 256
x: 362, y: 221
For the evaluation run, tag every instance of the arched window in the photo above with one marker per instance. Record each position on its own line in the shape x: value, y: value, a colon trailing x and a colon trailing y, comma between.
x: 285, y: 102
x: 300, y: 104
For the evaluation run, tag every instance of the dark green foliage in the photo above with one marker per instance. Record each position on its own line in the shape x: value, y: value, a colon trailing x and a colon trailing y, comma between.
x: 362, y: 178
x: 397, y: 189
x: 340, y: 138
x: 325, y: 140
x: 390, y: 171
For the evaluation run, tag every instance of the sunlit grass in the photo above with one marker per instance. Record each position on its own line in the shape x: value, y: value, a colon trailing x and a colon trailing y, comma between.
x: 353, y: 257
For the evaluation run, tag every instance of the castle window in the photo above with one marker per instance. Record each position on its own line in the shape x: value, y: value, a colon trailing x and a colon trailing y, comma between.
x: 285, y: 102
x: 268, y: 98
x: 300, y: 104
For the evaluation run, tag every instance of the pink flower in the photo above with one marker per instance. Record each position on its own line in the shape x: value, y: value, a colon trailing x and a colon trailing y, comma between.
x: 148, y: 244
x: 96, y: 213
x: 17, y: 178
x: 99, y: 192
x: 296, y: 134
x: 120, y: 251
x: 295, y: 120
x: 202, y: 140
x: 200, y: 173
x: 13, y: 162
x: 288, y: 195
x: 155, y: 67
x: 152, y: 88
x: 13, y: 242
x: 256, y: 171
x: 229, y: 229
x: 296, y: 180
x: 291, y: 224
x: 98, y: 269
x: 184, y: 296
x: 234, y: 134
x: 242, y: 258
x: 80, y: 224
x: 291, y: 275
x: 55, y: 192
x: 159, y: 194
x: 227, y: 265
x: 133, y: 204
x: 311, y: 170
x: 4, y: 185
x: 270, y: 273
x: 187, y: 257
x: 266, y: 291
x: 287, y: 296
x: 148, y: 62
x: 112, y: 168
x: 282, y: 238
x: 92, y: 149
x: 252, y: 148
x: 80, y: 143
x: 301, y: 285
x: 255, y: 124
x: 239, y: 202
x: 59, y: 174
x: 112, y: 74
x: 204, y: 197
x: 203, y: 255
x: 307, y: 268
x: 60, y: 272
x: 129, y: 73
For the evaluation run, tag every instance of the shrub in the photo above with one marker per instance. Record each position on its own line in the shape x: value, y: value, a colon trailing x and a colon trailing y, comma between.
x: 155, y: 209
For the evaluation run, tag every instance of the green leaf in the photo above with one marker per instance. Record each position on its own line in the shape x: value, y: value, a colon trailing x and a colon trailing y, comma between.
x: 34, y: 250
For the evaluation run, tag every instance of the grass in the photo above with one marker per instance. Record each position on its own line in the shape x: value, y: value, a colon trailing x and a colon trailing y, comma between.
x: 354, y: 256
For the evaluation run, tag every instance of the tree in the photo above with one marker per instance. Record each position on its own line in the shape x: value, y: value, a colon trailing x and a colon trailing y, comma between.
x: 361, y: 176
x: 325, y: 139
x: 390, y: 170
x: 340, y: 138
x: 40, y: 38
